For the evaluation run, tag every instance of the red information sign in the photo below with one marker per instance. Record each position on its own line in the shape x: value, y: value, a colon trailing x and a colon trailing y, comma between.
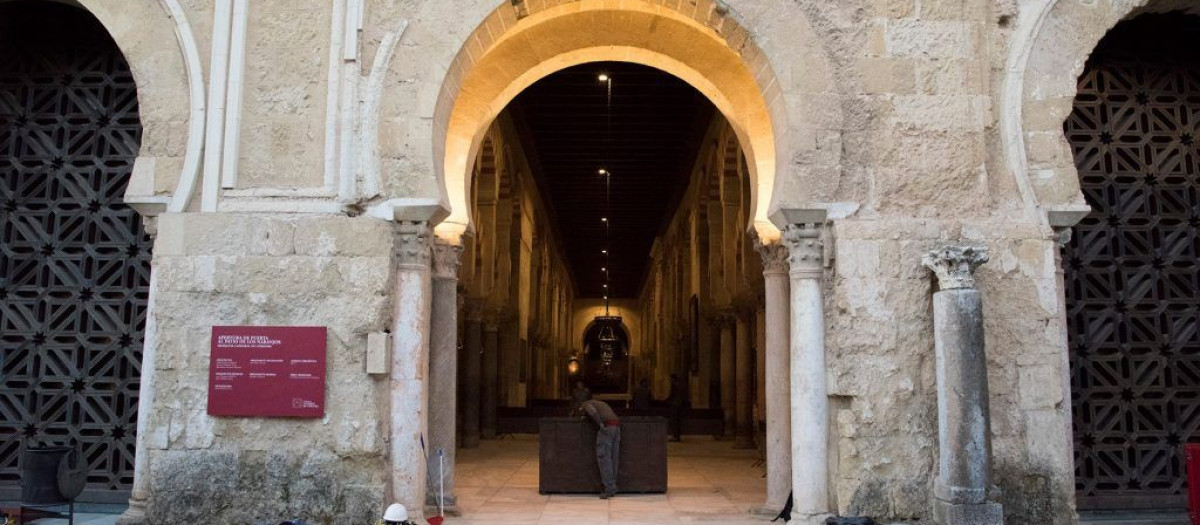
x: 272, y: 371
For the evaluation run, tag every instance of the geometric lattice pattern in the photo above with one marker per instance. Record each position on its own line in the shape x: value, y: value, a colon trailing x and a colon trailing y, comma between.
x: 74, y: 261
x: 1133, y: 275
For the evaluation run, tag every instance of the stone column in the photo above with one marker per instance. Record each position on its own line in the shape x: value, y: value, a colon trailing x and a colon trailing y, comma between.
x: 745, y: 380
x: 491, y: 375
x: 779, y: 415
x: 443, y: 375
x: 964, y: 445
x: 810, y: 401
x: 472, y: 376
x: 725, y: 324
x: 139, y: 498
x: 410, y: 365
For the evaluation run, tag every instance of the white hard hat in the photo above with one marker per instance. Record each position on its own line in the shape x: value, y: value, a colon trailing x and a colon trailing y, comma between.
x: 396, y: 512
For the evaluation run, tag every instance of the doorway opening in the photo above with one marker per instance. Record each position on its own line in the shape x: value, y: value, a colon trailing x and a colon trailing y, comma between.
x: 610, y: 204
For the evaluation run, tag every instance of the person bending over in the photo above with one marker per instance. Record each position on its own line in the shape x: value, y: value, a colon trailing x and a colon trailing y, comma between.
x: 608, y: 443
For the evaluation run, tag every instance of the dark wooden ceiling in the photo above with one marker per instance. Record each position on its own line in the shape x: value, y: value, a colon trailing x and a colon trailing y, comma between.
x: 657, y: 123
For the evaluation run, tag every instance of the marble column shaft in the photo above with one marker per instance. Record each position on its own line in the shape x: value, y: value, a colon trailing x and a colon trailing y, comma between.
x: 443, y: 374
x: 410, y: 366
x: 964, y: 429
x: 810, y: 401
x: 728, y: 373
x: 745, y: 381
x: 472, y: 376
x: 489, y: 397
x: 139, y: 499
x: 778, y: 368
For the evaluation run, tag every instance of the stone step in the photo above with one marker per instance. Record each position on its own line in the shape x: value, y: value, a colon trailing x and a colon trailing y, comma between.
x: 1173, y: 517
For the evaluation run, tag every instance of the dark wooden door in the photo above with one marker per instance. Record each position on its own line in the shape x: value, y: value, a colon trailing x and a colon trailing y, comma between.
x: 1131, y: 267
x: 74, y: 261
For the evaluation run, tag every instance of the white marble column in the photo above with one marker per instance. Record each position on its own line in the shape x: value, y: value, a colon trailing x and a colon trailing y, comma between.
x: 139, y: 499
x: 745, y: 378
x: 443, y: 375
x: 810, y: 401
x: 964, y: 426
x: 410, y: 365
x: 779, y: 415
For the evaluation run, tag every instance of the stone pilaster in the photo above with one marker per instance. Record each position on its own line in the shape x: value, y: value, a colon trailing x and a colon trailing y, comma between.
x: 443, y: 376
x: 778, y: 366
x: 473, y: 375
x: 410, y: 364
x: 810, y: 401
x: 964, y: 429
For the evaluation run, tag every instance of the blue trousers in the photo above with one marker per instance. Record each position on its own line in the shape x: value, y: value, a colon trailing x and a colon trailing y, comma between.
x: 608, y: 455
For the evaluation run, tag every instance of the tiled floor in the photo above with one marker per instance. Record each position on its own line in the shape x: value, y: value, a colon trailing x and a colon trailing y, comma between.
x: 85, y: 514
x: 707, y: 480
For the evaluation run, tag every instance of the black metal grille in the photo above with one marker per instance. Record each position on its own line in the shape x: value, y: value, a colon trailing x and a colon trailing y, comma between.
x: 74, y: 261
x: 1132, y: 269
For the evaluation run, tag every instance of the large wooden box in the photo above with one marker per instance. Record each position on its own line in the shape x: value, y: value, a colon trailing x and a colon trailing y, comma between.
x: 567, y: 450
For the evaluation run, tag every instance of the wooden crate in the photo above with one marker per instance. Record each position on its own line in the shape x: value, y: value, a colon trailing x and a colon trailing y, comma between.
x: 567, y: 454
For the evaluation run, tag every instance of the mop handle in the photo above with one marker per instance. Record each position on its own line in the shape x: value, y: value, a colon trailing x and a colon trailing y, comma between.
x: 441, y: 483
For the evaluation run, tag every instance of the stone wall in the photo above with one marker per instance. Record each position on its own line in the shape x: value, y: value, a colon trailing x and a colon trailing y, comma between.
x: 881, y: 368
x: 914, y: 121
x: 224, y: 269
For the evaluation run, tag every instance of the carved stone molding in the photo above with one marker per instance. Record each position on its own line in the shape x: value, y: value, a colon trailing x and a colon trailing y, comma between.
x: 447, y: 258
x: 955, y: 265
x: 413, y: 243
x: 806, y: 250
x: 774, y: 257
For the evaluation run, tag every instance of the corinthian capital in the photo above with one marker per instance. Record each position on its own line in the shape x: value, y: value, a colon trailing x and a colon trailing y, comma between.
x: 413, y: 239
x: 805, y: 249
x: 955, y: 265
x: 774, y: 256
x: 446, y: 259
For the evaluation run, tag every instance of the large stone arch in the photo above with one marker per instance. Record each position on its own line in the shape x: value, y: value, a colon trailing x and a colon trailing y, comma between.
x: 769, y: 74
x: 1051, y: 45
x: 162, y: 52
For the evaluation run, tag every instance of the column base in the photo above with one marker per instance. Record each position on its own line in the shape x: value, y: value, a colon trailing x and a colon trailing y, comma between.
x: 945, y: 513
x: 134, y: 515
x: 765, y: 512
x: 809, y: 519
x: 449, y: 510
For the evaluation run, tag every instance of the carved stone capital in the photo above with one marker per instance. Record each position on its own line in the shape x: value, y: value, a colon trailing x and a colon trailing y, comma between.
x: 774, y: 257
x: 955, y: 265
x: 806, y: 250
x: 447, y: 258
x: 413, y: 243
x: 1062, y: 236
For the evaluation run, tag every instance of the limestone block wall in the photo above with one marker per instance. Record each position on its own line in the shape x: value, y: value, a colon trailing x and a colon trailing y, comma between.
x: 881, y: 368
x: 226, y: 269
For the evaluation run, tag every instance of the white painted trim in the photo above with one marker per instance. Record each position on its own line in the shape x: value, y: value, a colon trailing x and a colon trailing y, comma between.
x: 1012, y: 133
x: 347, y: 133
x: 333, y: 95
x: 195, y: 72
x: 368, y: 151
x: 233, y: 100
x: 219, y: 65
